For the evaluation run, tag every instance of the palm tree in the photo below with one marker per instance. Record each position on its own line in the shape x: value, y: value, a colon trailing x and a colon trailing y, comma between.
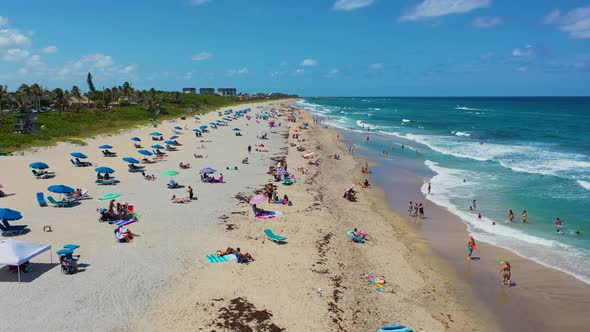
x: 76, y: 92
x: 37, y: 93
x: 61, y: 100
x: 153, y: 102
x: 3, y: 96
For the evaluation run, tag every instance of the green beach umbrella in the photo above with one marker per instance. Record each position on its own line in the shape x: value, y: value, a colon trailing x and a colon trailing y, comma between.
x: 109, y: 196
x: 170, y: 173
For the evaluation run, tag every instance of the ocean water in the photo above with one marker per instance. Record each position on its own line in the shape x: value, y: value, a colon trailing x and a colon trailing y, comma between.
x: 524, y: 153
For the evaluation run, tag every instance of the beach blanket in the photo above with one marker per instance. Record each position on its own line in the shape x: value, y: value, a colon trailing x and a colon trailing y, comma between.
x: 213, y: 258
x: 356, y: 239
x: 378, y: 281
x: 269, y: 215
x: 126, y: 222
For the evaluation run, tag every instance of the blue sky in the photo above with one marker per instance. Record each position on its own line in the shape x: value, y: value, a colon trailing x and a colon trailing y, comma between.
x: 307, y: 47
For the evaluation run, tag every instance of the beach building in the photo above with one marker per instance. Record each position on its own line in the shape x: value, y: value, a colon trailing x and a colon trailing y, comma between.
x: 227, y: 92
x: 189, y: 90
x: 207, y: 91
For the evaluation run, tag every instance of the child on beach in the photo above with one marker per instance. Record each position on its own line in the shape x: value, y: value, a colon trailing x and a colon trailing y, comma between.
x: 506, y: 274
x: 470, y: 247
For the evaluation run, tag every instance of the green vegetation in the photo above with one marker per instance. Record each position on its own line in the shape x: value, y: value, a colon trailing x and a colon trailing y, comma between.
x: 99, y: 112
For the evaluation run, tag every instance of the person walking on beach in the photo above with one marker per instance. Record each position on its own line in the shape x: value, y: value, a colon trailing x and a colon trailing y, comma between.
x: 249, y: 149
x: 410, y: 208
x: 416, y: 207
x: 191, y: 195
x: 506, y: 274
x: 470, y: 247
x: 421, y: 210
x: 511, y: 216
x: 429, y: 188
x: 525, y: 216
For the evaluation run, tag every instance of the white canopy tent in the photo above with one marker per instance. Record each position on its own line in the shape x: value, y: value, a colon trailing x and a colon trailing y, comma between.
x: 13, y: 252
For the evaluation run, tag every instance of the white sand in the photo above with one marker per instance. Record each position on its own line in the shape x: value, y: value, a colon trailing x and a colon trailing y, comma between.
x: 118, y: 281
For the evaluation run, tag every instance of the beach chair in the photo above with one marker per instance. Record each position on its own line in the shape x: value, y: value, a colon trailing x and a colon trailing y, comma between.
x: 273, y: 237
x: 56, y: 203
x: 172, y: 184
x: 41, y: 199
x: 8, y: 229
x: 135, y: 169
x: 170, y: 148
x: 106, y: 182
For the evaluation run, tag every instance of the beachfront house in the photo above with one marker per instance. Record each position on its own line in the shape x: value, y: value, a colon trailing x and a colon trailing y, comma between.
x: 189, y: 90
x: 227, y: 92
x: 207, y: 91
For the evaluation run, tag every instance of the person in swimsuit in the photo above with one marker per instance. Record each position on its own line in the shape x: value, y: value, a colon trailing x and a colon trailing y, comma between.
x: 421, y: 210
x: 410, y: 208
x: 416, y: 208
x: 525, y: 216
x: 505, y: 272
x: 511, y: 216
x: 474, y: 205
x: 470, y: 247
x: 429, y: 188
x: 558, y: 222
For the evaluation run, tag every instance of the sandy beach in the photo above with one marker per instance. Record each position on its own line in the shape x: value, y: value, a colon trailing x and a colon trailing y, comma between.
x: 162, y: 281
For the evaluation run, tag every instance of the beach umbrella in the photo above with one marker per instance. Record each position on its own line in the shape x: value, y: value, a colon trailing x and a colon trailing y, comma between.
x: 170, y: 142
x: 104, y: 170
x: 78, y: 155
x: 60, y: 189
x: 157, y: 146
x: 236, y: 129
x: 105, y: 146
x: 39, y: 165
x: 196, y: 130
x: 8, y: 214
x: 145, y: 152
x: 174, y: 137
x: 212, y: 123
x: 170, y: 173
x: 197, y: 118
x: 258, y: 199
x: 131, y: 160
x: 136, y: 139
x: 109, y: 196
x: 178, y: 128
x: 208, y: 170
x: 203, y: 127
x: 155, y: 133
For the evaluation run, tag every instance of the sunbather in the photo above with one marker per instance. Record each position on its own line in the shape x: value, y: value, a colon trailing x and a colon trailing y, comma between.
x: 180, y: 200
x: 366, y: 184
x: 70, y: 264
x: 184, y: 166
x: 137, y: 146
x: 124, y: 234
x: 243, y: 257
x: 357, y: 233
x: 227, y: 251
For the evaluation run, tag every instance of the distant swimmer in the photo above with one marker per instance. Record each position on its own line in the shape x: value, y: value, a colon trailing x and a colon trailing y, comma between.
x: 429, y: 188
x: 479, y: 216
x: 511, y: 216
x: 525, y: 216
x: 368, y: 138
x: 559, y: 232
x: 577, y: 233
x: 558, y: 222
x: 474, y: 204
x: 464, y: 181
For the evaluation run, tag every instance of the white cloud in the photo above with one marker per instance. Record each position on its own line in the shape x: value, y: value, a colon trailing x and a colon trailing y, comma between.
x: 352, y: 4
x: 3, y: 21
x: 49, y: 49
x: 201, y: 56
x: 376, y: 66
x: 576, y: 22
x: 94, y: 61
x: 14, y: 55
x: 34, y: 61
x: 129, y: 69
x: 486, y: 22
x: 524, y: 52
x: 13, y: 38
x: 435, y: 8
x: 199, y: 2
x: 240, y: 71
x: 309, y: 63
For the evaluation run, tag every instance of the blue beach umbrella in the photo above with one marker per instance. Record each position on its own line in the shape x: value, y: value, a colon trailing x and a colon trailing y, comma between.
x: 208, y: 170
x: 196, y: 130
x: 145, y: 152
x: 39, y: 165
x: 136, y: 139
x: 8, y: 214
x: 170, y: 142
x: 197, y: 118
x: 203, y: 127
x: 178, y: 127
x: 104, y: 170
x: 157, y: 146
x: 236, y: 129
x: 212, y: 123
x: 105, y: 146
x: 155, y: 133
x: 131, y: 160
x: 174, y: 137
x: 78, y: 155
x: 60, y: 189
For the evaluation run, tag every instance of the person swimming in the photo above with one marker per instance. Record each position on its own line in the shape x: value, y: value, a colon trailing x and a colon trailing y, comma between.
x: 525, y: 216
x: 558, y: 222
x: 511, y: 216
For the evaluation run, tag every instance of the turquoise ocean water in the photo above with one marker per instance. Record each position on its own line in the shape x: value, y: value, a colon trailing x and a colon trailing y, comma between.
x: 513, y: 153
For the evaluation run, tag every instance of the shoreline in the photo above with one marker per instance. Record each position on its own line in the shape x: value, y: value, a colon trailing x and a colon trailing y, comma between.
x: 539, y: 288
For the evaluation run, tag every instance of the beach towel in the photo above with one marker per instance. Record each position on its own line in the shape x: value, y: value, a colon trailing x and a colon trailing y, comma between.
x: 213, y: 258
x: 356, y: 239
x: 269, y: 215
x: 378, y: 281
x: 126, y: 222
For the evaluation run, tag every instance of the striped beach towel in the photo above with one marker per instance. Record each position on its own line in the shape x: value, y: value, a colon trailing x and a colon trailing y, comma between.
x: 213, y: 258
